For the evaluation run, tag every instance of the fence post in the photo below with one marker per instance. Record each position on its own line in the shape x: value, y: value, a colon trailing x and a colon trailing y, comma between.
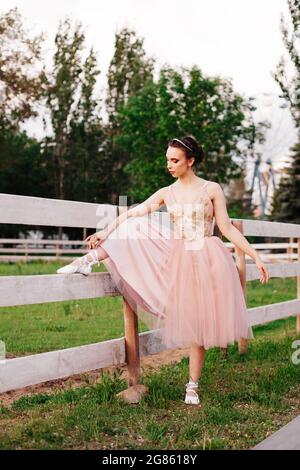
x: 241, y: 266
x: 298, y: 288
x: 217, y: 233
x: 26, y: 250
x: 290, y: 249
x: 132, y: 350
x: 57, y: 249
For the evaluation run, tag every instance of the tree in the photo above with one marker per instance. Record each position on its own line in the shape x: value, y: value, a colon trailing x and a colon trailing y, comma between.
x: 184, y: 102
x: 21, y: 72
x: 22, y: 79
x: 291, y: 86
x: 62, y: 88
x: 286, y: 201
x: 286, y: 197
x: 128, y: 73
x: 89, y: 164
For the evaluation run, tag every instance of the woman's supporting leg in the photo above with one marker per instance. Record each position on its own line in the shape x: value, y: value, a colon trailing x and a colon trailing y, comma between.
x: 197, y: 356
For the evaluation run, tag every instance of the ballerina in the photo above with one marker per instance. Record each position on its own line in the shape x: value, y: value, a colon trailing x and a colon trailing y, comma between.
x: 183, y: 283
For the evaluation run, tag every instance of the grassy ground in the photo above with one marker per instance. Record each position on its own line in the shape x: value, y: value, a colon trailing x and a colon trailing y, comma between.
x: 244, y: 398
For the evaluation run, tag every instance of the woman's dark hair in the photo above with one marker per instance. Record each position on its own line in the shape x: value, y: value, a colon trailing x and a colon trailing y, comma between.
x: 190, y: 146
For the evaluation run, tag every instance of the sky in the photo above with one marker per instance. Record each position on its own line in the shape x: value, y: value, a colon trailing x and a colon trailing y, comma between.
x: 232, y: 38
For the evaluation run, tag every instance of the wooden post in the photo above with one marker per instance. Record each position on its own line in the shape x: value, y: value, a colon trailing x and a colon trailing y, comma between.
x: 241, y: 266
x: 217, y: 233
x: 26, y: 250
x: 131, y: 344
x: 290, y: 250
x: 298, y: 289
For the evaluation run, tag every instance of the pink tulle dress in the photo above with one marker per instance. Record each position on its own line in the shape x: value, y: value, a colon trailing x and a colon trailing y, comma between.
x: 180, y: 279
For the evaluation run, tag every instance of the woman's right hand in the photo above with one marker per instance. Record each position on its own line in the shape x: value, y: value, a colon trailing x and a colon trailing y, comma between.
x: 95, y: 239
x: 264, y: 273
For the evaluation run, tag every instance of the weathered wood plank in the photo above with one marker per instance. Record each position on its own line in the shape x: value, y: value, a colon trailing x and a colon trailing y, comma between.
x: 275, y: 270
x: 44, y: 241
x: 30, y: 370
x: 44, y: 250
x: 271, y: 312
x: 54, y: 212
x: 17, y: 258
x: 38, y: 368
x: 262, y: 228
x: 286, y: 438
x: 25, y: 290
x: 30, y: 210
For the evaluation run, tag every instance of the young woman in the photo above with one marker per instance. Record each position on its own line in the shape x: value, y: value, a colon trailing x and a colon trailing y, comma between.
x: 182, y: 282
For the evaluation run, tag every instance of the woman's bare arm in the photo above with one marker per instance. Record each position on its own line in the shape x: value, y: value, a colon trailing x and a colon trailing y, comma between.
x: 224, y: 223
x: 153, y: 203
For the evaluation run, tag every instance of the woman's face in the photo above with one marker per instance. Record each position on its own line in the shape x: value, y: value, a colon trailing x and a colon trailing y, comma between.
x: 177, y: 163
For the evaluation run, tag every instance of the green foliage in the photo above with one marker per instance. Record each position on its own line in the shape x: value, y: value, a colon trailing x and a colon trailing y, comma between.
x: 183, y: 102
x: 21, y: 80
x: 85, y: 159
x: 286, y: 199
x: 290, y: 87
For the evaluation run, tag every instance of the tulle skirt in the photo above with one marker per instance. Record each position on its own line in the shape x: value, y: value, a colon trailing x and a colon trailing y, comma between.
x: 187, y: 291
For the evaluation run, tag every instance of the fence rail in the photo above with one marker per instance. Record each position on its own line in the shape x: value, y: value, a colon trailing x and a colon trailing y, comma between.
x: 24, y: 248
x: 24, y: 290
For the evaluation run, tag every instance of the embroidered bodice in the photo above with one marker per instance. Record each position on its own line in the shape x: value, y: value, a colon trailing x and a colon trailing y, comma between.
x: 193, y: 220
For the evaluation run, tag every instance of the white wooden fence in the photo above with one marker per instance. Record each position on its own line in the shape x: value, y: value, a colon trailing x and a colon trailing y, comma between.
x: 24, y: 290
x: 50, y: 249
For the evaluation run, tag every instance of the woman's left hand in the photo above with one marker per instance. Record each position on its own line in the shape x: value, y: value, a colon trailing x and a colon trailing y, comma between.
x: 95, y: 239
x: 264, y: 273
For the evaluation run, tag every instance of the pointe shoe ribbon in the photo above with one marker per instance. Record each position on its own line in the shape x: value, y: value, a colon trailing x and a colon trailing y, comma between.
x: 191, y: 396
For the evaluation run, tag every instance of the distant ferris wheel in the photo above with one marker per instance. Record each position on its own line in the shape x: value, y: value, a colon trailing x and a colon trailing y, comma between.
x: 264, y: 176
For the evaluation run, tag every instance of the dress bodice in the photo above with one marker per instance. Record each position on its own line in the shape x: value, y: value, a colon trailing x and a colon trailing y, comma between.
x: 191, y: 220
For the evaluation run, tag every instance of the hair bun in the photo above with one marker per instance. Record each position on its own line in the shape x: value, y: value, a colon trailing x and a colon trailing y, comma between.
x: 196, y: 149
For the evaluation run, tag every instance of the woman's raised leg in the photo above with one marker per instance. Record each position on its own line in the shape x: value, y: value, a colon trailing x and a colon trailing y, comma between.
x: 83, y: 263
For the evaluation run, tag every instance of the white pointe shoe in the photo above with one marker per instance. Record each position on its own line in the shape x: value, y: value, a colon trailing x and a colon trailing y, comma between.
x: 81, y: 265
x: 191, y: 395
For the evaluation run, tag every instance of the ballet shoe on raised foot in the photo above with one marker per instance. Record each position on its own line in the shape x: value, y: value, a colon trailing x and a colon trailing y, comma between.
x: 82, y: 265
x: 191, y: 395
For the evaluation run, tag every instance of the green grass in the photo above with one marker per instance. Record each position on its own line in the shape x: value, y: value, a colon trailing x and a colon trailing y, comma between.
x: 244, y: 398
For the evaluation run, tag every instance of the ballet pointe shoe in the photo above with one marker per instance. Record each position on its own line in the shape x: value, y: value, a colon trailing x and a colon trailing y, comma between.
x: 191, y: 395
x: 82, y: 265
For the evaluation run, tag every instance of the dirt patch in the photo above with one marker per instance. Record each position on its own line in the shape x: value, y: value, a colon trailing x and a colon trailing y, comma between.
x: 151, y: 362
